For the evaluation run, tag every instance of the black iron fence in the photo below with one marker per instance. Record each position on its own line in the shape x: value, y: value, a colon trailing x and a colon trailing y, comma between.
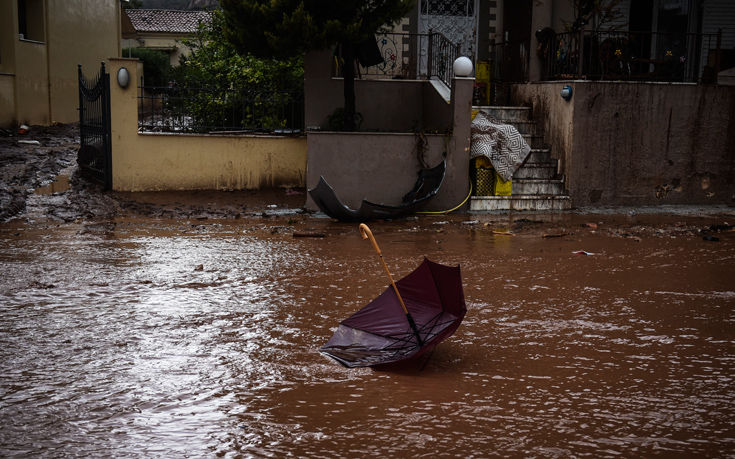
x: 216, y: 110
x: 625, y: 55
x: 410, y: 56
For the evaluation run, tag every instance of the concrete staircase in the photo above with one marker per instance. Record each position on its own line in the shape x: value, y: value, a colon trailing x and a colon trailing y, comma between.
x: 537, y: 185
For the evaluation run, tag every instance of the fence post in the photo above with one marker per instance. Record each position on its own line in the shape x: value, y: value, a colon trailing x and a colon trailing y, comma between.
x: 717, y: 54
x: 430, y: 58
x: 580, y: 54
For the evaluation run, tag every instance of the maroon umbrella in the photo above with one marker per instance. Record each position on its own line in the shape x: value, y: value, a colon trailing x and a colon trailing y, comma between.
x: 409, y: 318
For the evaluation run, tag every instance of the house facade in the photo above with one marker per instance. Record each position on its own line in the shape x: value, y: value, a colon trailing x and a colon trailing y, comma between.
x: 41, y: 44
x: 161, y: 30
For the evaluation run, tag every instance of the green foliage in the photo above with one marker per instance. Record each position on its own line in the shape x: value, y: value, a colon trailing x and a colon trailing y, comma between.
x: 156, y: 65
x: 235, y: 90
x: 290, y: 27
x: 279, y: 28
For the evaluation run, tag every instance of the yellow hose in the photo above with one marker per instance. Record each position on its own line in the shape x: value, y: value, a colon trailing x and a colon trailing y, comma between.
x: 442, y: 212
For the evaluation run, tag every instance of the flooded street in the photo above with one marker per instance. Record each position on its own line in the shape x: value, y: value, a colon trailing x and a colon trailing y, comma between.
x: 164, y: 337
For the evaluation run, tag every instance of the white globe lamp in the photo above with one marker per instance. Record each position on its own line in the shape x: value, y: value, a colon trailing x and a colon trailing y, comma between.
x: 462, y: 67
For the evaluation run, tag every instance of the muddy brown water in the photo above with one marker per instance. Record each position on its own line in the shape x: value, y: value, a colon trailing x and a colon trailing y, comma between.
x: 145, y: 337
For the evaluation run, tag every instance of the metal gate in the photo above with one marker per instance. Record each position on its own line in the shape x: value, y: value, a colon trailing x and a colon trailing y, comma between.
x: 95, y: 152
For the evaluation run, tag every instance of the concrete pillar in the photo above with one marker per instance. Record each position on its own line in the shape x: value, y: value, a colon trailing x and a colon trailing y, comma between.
x: 541, y: 16
x: 458, y: 156
x: 123, y: 113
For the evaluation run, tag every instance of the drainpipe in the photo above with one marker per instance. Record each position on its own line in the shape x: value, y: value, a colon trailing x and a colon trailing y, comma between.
x: 48, y: 60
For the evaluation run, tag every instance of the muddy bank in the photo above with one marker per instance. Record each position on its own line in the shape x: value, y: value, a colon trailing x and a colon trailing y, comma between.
x: 32, y: 160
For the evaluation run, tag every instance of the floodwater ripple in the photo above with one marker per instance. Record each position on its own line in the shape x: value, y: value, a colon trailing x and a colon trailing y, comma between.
x: 132, y: 339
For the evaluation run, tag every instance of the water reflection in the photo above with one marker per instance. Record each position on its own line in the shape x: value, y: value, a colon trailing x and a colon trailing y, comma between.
x: 134, y: 338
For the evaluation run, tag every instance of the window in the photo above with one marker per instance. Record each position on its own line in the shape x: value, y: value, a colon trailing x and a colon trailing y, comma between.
x: 30, y: 20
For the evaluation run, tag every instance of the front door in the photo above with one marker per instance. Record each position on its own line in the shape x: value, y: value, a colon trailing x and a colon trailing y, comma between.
x: 455, y: 19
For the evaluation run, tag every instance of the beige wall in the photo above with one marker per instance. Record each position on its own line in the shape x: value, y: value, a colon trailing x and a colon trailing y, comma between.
x: 43, y: 74
x: 31, y: 83
x: 81, y: 32
x: 151, y: 162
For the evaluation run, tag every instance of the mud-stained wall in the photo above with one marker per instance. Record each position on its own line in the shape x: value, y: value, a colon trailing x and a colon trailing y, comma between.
x: 640, y: 143
x: 382, y: 167
x: 154, y: 162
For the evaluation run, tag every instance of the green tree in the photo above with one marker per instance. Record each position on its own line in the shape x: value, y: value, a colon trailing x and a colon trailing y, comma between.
x: 291, y: 27
x: 225, y: 84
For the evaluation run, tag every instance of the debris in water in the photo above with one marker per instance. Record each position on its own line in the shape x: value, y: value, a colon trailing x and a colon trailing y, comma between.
x: 199, y: 268
x: 709, y: 237
x: 550, y: 235
x: 308, y: 234
x: 30, y: 142
x: 583, y: 252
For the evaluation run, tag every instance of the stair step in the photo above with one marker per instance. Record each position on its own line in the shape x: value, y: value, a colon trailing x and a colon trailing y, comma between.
x: 535, y: 141
x: 533, y: 186
x: 536, y: 171
x: 524, y: 127
x: 524, y: 203
x: 506, y: 113
x: 540, y: 155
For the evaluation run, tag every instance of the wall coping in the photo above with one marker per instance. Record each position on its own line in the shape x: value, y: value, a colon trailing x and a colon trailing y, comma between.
x: 369, y: 133
x: 229, y: 136
x: 652, y: 83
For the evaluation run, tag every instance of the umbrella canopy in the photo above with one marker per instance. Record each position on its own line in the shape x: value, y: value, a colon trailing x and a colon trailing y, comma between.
x: 381, y: 333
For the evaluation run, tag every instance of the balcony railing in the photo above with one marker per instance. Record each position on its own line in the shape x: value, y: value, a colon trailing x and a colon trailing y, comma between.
x: 410, y: 56
x: 613, y: 55
x: 216, y: 110
x: 645, y: 56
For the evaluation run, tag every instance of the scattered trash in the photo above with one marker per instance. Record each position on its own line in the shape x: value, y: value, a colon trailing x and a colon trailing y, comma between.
x: 709, y: 237
x: 470, y: 222
x: 23, y: 129
x: 591, y: 225
x: 30, y: 142
x: 308, y: 234
x: 503, y: 233
x: 199, y: 268
x: 444, y: 222
x: 583, y: 252
x: 272, y: 206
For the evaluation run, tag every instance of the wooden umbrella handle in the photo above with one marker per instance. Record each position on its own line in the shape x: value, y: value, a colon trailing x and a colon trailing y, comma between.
x: 367, y: 234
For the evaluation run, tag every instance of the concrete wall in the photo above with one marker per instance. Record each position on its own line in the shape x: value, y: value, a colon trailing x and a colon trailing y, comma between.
x: 385, y: 105
x: 151, y: 162
x: 640, y: 143
x: 382, y: 167
x: 40, y: 76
